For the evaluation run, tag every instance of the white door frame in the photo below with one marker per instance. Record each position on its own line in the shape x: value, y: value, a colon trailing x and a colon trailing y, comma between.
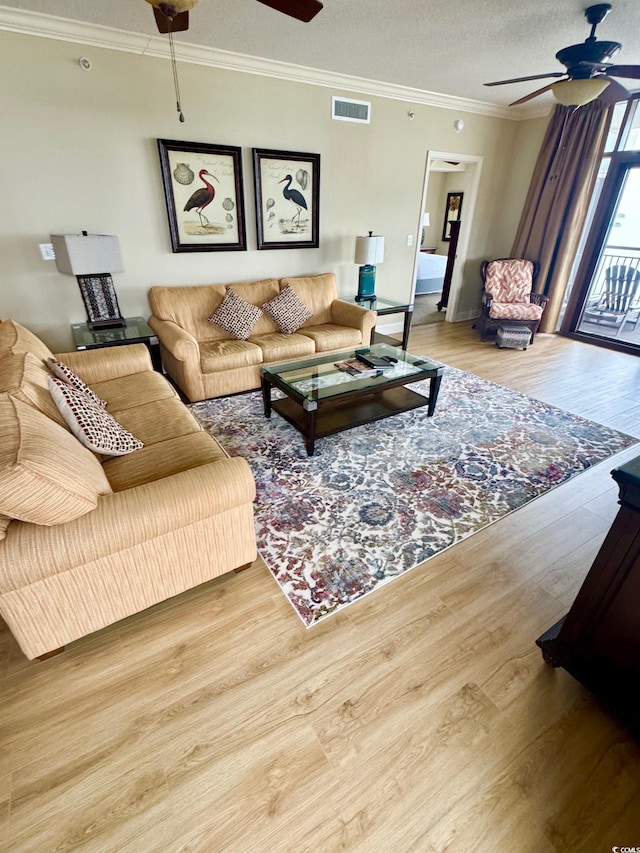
x: 471, y: 197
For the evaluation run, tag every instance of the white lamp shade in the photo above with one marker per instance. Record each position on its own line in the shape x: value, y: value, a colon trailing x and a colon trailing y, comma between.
x: 178, y: 5
x: 91, y: 254
x: 577, y: 93
x: 425, y: 220
x: 369, y: 250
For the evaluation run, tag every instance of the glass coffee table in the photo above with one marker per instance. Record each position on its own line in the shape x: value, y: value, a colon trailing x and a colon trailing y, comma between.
x: 320, y: 399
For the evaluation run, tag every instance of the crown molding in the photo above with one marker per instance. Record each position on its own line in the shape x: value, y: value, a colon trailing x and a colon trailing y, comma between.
x: 95, y: 35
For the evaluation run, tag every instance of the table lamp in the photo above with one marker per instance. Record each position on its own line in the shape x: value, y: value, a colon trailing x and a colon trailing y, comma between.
x: 369, y: 251
x: 92, y: 258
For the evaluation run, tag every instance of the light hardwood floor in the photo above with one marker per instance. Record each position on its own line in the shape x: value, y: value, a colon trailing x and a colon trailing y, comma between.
x: 420, y: 719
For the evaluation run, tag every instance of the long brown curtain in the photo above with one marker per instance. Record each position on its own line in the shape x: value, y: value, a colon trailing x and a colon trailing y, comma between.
x: 556, y: 206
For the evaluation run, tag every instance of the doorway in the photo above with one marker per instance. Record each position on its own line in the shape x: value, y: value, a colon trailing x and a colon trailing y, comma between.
x: 446, y: 174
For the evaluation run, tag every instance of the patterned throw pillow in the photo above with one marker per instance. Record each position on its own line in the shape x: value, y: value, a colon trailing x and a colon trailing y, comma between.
x: 60, y: 369
x: 288, y: 310
x: 236, y: 315
x: 90, y: 423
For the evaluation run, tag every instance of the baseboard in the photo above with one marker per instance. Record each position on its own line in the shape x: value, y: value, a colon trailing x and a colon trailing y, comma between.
x: 390, y: 328
x: 397, y: 327
x: 466, y: 315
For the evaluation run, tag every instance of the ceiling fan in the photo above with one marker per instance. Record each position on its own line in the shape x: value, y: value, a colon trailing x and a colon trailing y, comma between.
x: 589, y: 73
x: 173, y: 16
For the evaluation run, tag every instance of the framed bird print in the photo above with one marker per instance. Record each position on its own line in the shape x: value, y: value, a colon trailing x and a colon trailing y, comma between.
x: 204, y: 196
x: 287, y: 199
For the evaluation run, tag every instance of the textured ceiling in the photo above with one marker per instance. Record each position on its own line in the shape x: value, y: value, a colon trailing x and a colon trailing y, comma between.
x: 445, y: 46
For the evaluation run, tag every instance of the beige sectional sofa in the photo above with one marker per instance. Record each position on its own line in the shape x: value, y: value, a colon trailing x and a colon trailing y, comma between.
x: 206, y: 361
x: 86, y: 541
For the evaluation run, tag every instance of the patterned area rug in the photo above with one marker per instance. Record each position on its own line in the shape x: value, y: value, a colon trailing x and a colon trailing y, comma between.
x: 378, y: 500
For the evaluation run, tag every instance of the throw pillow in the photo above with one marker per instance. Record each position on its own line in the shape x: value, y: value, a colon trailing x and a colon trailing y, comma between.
x: 4, y: 523
x: 236, y: 315
x: 60, y: 369
x: 15, y: 339
x: 288, y: 310
x: 90, y: 423
x: 46, y: 476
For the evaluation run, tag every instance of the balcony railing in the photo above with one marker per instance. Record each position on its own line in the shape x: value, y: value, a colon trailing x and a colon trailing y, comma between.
x: 617, y: 315
x: 612, y: 256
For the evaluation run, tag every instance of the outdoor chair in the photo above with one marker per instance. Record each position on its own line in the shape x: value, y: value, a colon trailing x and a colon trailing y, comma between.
x: 616, y: 306
x: 508, y: 298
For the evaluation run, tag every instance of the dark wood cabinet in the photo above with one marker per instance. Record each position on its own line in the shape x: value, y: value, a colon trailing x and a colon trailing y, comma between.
x: 598, y: 641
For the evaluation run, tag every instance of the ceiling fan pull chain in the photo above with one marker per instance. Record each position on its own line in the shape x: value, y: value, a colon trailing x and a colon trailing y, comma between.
x: 176, y: 83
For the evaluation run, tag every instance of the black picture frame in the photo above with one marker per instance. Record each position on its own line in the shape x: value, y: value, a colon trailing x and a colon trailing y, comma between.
x: 452, y: 213
x: 215, y: 171
x: 287, y: 217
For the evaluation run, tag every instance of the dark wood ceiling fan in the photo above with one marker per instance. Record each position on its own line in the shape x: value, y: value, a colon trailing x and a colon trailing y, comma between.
x: 587, y: 61
x: 173, y: 16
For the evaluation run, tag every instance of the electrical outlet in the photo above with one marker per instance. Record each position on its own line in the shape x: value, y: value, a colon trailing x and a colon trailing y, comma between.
x: 47, y: 252
x: 409, y: 239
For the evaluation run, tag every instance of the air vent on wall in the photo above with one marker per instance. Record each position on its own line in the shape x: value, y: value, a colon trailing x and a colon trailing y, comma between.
x: 345, y: 109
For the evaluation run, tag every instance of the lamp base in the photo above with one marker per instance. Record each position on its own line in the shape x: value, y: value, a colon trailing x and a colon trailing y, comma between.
x: 366, y: 284
x: 100, y: 301
x: 111, y: 323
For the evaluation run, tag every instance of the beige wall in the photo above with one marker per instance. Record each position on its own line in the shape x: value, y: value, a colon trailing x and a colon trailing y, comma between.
x: 433, y: 204
x: 78, y: 151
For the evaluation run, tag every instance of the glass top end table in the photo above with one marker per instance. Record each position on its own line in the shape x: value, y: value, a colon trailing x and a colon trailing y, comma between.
x: 383, y: 306
x: 136, y: 331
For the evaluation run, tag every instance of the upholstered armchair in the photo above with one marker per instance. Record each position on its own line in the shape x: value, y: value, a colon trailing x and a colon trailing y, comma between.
x: 508, y: 298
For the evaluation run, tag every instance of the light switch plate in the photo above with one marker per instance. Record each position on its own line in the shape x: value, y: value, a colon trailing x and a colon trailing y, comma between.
x: 409, y: 239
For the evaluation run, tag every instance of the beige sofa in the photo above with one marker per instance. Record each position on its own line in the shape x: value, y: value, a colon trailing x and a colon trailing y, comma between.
x: 86, y: 541
x: 206, y: 361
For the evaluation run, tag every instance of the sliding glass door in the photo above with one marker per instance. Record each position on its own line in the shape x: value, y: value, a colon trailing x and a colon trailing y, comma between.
x: 611, y: 308
x: 604, y: 302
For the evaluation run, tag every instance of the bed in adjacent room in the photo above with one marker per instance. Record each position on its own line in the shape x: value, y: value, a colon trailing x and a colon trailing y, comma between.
x: 431, y: 270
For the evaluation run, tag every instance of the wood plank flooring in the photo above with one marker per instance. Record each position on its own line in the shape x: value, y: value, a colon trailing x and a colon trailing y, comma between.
x: 419, y: 720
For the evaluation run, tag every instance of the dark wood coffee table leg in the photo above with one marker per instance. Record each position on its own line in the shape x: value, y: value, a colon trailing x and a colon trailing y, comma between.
x: 434, y: 388
x: 407, y: 327
x: 266, y: 396
x: 310, y: 421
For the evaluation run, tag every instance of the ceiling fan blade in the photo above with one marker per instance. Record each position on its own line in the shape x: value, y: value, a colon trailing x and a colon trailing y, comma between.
x: 613, y: 93
x: 624, y: 71
x: 303, y: 10
x: 532, y: 95
x: 178, y: 24
x: 524, y: 79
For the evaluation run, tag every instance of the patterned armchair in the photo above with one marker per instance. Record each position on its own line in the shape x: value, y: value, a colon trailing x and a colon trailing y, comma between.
x: 508, y: 298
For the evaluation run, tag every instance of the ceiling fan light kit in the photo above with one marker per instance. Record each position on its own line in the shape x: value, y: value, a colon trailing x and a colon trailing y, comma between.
x: 577, y: 93
x: 172, y: 17
x: 589, y: 73
x: 175, y: 7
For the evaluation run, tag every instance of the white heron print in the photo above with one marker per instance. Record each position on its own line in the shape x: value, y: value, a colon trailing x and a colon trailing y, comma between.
x: 287, y: 188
